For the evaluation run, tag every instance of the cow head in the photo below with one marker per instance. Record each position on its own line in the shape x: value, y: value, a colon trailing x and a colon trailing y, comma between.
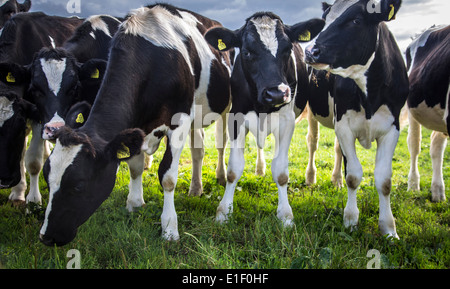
x: 14, y: 112
x: 10, y: 7
x: 56, y: 82
x: 349, y: 40
x: 266, y: 47
x: 81, y: 173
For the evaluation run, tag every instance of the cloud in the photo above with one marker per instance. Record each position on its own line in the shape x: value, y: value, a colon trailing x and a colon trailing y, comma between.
x: 413, y: 17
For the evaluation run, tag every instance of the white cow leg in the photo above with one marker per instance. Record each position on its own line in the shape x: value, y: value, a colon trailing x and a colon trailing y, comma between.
x: 438, y: 145
x: 136, y: 193
x: 383, y: 175
x: 312, y: 139
x: 168, y: 175
x: 236, y: 164
x: 354, y: 174
x: 34, y: 161
x: 221, y: 144
x: 336, y: 177
x: 197, y: 153
x: 280, y: 170
x: 414, y: 139
x: 260, y: 163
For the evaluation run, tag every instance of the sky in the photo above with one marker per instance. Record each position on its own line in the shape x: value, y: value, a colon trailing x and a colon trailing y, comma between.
x: 413, y: 17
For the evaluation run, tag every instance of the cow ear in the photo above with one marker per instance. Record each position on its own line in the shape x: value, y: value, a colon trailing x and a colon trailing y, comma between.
x: 386, y: 10
x: 305, y: 31
x: 25, y: 6
x: 222, y: 38
x: 30, y: 109
x: 325, y: 6
x: 125, y: 145
x: 14, y: 74
x: 93, y: 69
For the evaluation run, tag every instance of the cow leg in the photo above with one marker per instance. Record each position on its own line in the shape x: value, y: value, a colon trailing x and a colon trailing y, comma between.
x: 18, y: 192
x: 260, y: 163
x: 34, y: 161
x: 197, y: 153
x: 136, y: 193
x: 414, y: 139
x: 312, y: 139
x: 336, y: 176
x: 168, y: 175
x: 236, y: 164
x: 221, y: 144
x: 280, y: 170
x: 353, y: 176
x: 383, y: 175
x: 438, y: 145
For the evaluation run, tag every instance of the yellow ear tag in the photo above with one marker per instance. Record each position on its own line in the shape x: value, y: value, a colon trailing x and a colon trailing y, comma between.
x: 306, y: 36
x: 221, y: 45
x: 124, y: 153
x: 80, y: 118
x: 10, y: 78
x: 95, y: 74
x: 392, y: 13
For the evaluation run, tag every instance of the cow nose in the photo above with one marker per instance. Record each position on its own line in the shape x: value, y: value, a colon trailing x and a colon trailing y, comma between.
x: 312, y: 54
x: 51, y: 129
x: 6, y: 183
x: 46, y: 240
x: 275, y: 96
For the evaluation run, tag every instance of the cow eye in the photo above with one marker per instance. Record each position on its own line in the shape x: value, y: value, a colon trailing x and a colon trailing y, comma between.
x: 356, y: 21
x: 247, y: 53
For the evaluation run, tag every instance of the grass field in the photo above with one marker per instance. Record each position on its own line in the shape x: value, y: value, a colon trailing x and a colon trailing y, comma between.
x: 253, y: 238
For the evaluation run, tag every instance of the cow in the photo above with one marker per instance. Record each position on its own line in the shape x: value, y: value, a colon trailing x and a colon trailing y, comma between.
x: 22, y: 36
x: 61, y: 76
x: 370, y: 88
x: 10, y: 7
x: 269, y: 86
x: 428, y: 61
x: 162, y: 78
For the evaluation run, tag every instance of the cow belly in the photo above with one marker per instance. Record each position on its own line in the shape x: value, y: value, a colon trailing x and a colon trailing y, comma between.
x: 430, y: 117
x: 366, y: 130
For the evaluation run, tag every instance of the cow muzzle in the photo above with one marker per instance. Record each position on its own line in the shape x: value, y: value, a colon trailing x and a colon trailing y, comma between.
x: 312, y: 57
x: 277, y: 96
x: 50, y: 130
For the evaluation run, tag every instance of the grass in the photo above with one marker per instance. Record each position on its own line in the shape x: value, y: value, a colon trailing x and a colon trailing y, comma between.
x: 253, y: 238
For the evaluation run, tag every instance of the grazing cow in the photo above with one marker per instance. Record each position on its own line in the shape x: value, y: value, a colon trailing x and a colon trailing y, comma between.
x: 269, y: 79
x: 428, y: 59
x: 370, y: 89
x: 162, y: 77
x: 22, y: 36
x: 10, y: 7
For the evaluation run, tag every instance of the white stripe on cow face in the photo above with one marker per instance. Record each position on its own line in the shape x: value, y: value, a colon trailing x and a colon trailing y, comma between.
x: 266, y: 28
x: 6, y: 109
x: 60, y: 159
x: 53, y: 70
x: 338, y: 8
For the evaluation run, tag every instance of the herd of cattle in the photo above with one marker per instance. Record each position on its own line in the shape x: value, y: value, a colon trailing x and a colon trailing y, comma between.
x: 106, y: 90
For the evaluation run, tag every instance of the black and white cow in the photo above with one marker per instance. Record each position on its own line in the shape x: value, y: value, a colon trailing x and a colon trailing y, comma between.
x: 269, y: 86
x: 161, y: 77
x: 61, y: 77
x: 10, y: 7
x: 428, y: 59
x: 370, y: 89
x: 22, y: 36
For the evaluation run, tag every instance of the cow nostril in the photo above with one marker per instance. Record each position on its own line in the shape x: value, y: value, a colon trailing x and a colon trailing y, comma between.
x: 315, y: 51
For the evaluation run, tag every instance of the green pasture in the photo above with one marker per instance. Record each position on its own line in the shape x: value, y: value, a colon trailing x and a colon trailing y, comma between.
x: 253, y: 238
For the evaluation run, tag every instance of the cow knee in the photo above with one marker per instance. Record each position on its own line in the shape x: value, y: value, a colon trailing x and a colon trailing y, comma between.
x: 353, y: 181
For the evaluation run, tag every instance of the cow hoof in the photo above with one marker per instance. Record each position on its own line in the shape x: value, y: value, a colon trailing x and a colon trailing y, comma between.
x: 195, y: 190
x: 351, y: 220
x: 171, y: 235
x: 133, y: 206
x: 18, y: 203
x: 437, y: 194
